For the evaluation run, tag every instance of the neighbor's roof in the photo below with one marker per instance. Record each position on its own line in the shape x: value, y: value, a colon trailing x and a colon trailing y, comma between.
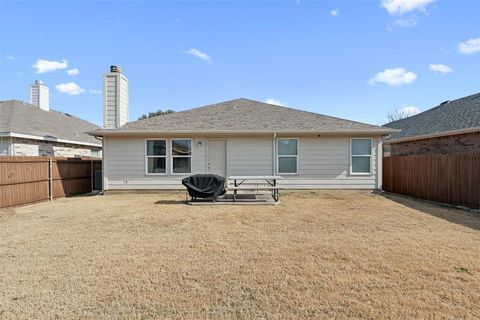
x: 447, y: 118
x: 243, y: 116
x: 23, y: 119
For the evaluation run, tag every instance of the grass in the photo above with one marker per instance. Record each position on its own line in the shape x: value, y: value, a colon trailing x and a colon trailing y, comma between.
x: 316, y: 255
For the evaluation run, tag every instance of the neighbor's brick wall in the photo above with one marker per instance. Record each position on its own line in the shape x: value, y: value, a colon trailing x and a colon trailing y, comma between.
x: 27, y: 147
x: 461, y: 143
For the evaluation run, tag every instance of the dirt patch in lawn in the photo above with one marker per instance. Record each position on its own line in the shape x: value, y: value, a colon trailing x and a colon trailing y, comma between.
x: 316, y: 255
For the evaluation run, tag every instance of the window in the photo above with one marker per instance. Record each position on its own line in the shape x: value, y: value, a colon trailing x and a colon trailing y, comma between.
x: 361, y: 156
x: 156, y: 156
x: 287, y: 156
x: 181, y: 156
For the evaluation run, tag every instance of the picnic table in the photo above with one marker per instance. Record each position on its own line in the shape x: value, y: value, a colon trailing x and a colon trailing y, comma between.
x: 269, y: 181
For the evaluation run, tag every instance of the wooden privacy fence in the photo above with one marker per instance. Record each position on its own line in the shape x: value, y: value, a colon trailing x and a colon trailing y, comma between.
x: 453, y: 179
x: 26, y: 180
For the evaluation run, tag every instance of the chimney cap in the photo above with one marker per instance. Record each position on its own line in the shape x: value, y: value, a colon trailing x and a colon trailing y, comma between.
x: 115, y: 68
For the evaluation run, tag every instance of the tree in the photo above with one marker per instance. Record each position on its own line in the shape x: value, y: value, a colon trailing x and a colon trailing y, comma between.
x: 157, y: 113
x: 402, y: 113
x: 396, y: 115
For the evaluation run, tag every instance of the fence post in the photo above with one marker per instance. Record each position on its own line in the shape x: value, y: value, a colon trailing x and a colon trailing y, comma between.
x: 50, y: 178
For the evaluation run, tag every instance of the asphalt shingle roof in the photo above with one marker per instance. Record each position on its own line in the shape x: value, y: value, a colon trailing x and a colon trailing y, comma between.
x: 19, y: 117
x: 454, y: 115
x: 243, y: 115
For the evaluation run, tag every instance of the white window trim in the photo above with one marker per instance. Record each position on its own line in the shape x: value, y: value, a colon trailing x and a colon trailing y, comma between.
x: 288, y: 156
x: 370, y: 156
x: 172, y: 156
x: 147, y: 156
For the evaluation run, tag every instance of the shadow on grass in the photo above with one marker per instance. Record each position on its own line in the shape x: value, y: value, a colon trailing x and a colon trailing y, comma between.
x: 467, y: 218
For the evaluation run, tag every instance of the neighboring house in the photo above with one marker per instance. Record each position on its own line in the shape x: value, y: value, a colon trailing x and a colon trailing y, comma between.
x: 450, y: 128
x: 35, y: 130
x: 237, y: 137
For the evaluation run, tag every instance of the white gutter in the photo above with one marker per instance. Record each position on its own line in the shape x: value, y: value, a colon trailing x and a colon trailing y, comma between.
x: 274, y: 153
x: 52, y: 139
x: 434, y: 135
x: 176, y: 132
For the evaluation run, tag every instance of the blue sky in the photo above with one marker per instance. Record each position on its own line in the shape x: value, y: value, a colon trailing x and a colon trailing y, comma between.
x: 352, y: 59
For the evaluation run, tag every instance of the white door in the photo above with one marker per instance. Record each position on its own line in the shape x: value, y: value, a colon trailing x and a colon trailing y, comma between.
x: 216, y: 158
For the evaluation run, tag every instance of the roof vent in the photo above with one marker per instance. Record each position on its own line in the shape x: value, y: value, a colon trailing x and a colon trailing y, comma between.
x: 444, y: 102
x: 115, y: 69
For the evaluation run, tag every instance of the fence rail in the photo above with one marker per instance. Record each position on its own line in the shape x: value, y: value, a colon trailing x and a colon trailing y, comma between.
x: 453, y: 179
x: 25, y: 180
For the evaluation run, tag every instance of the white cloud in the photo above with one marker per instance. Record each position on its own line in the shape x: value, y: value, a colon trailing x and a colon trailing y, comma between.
x: 399, y: 7
x: 10, y: 57
x: 409, y: 111
x: 94, y: 91
x: 394, y: 77
x: 405, y: 23
x: 73, y: 72
x: 334, y: 13
x: 70, y: 88
x: 440, y: 68
x: 43, y: 66
x: 470, y: 46
x: 275, y: 102
x: 199, y: 54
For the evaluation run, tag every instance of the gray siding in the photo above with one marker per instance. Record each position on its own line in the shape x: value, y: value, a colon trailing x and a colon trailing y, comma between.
x: 110, y: 101
x: 115, y: 100
x: 250, y: 156
x: 324, y: 163
x: 123, y: 103
x: 125, y: 164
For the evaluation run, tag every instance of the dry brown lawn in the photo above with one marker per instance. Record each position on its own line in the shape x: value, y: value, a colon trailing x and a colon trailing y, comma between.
x: 316, y: 255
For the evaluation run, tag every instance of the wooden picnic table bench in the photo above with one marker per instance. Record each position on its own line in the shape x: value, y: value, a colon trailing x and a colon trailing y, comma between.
x: 271, y: 182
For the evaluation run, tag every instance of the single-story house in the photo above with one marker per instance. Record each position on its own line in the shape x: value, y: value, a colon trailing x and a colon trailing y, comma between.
x: 237, y: 137
x: 26, y: 130
x: 33, y: 129
x: 450, y: 128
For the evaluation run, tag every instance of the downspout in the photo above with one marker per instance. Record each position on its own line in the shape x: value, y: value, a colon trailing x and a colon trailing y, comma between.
x: 103, y: 162
x: 274, y: 154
